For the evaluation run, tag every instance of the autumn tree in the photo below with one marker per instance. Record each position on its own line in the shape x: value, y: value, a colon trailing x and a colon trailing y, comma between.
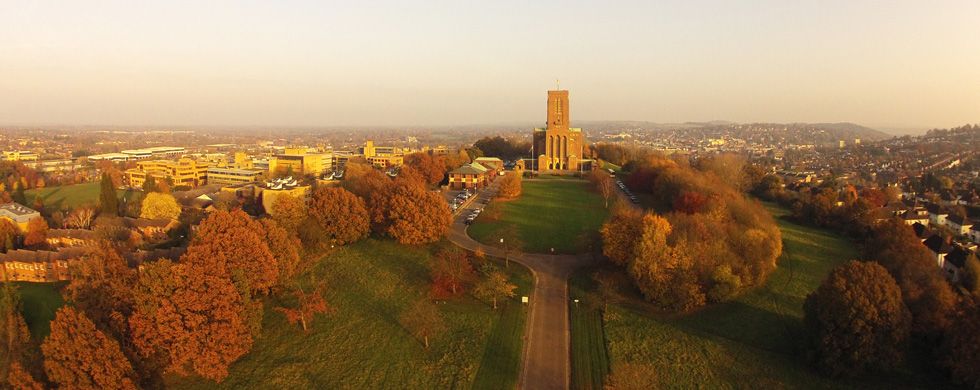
x: 970, y: 277
x: 77, y: 355
x: 8, y: 235
x: 19, y: 378
x: 510, y: 186
x: 620, y: 235
x: 308, y: 306
x: 80, y: 218
x: 101, y: 287
x: 423, y: 320
x: 37, y: 233
x: 452, y: 270
x: 663, y: 273
x: 961, y: 347
x: 108, y: 200
x: 159, y: 206
x: 416, y: 215
x: 285, y: 248
x: 690, y: 202
x: 856, y: 320
x: 288, y: 211
x: 926, y: 293
x: 341, y: 214
x: 191, y: 316
x: 14, y: 335
x: 431, y: 168
x: 242, y: 243
x: 493, y: 287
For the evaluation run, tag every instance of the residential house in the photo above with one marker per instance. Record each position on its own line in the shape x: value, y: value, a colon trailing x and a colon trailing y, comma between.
x: 937, y: 216
x: 39, y: 266
x: 958, y: 224
x: 71, y: 237
x: 939, y: 247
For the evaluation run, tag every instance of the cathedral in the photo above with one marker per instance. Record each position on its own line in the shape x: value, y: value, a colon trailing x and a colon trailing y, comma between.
x: 559, y: 147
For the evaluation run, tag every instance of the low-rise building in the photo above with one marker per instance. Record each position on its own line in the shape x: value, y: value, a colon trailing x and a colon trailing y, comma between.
x: 19, y: 214
x: 958, y: 224
x: 232, y: 176
x: 20, y: 155
x: 280, y: 187
x: 183, y: 172
x: 490, y: 163
x: 472, y: 175
x: 300, y: 161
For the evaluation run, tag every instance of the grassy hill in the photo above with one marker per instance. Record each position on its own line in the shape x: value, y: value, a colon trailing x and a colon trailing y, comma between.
x: 751, y: 342
x: 68, y: 197
x: 362, y: 346
x: 561, y: 214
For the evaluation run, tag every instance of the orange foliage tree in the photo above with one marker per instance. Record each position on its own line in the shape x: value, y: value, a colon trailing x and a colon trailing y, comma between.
x: 416, y: 215
x: 190, y: 316
x: 431, y: 168
x: 284, y: 247
x: 37, y: 232
x: 77, y: 355
x: 242, y: 242
x: 510, y: 186
x: 289, y: 211
x: 101, y: 287
x: 342, y: 215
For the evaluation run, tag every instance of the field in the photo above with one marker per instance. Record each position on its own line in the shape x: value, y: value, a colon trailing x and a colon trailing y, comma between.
x: 362, y: 345
x: 67, y: 197
x: 40, y: 301
x: 751, y: 342
x: 561, y: 214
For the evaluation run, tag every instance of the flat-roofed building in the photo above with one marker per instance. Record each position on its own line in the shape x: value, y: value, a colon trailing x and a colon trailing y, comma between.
x: 280, y: 187
x: 109, y: 157
x: 19, y: 214
x: 300, y: 161
x: 183, y: 172
x: 20, y: 155
x: 232, y: 176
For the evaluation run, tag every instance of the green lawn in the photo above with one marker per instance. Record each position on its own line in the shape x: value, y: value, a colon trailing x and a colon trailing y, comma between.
x: 40, y: 301
x: 68, y: 197
x: 751, y: 342
x: 565, y: 215
x: 590, y: 356
x: 362, y: 346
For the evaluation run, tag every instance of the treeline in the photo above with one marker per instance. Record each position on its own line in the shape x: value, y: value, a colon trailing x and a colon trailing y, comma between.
x: 870, y: 315
x: 503, y: 148
x: 706, y: 242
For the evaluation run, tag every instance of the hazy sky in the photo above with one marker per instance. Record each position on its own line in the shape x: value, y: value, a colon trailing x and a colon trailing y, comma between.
x: 320, y: 63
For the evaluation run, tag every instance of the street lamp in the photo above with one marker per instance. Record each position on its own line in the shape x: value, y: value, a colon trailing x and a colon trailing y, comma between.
x: 506, y: 254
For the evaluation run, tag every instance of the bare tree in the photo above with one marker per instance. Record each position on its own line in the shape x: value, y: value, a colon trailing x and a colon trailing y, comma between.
x: 80, y: 218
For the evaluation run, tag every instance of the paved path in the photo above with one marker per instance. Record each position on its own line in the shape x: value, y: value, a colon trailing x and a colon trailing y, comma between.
x: 547, y: 363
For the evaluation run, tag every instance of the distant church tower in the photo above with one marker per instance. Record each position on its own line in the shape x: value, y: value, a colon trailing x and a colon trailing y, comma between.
x: 558, y: 147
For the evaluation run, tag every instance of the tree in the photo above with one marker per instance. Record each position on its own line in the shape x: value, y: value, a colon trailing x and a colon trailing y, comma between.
x: 415, y: 215
x: 101, y: 287
x: 8, y: 235
x: 961, y: 346
x: 160, y: 206
x: 37, y: 232
x: 452, y: 270
x: 603, y: 184
x: 664, y: 274
x: 431, y: 168
x: 14, y: 335
x: 80, y: 218
x: 309, y: 305
x: 19, y: 378
x: 241, y: 242
x: 108, y: 200
x: 289, y: 211
x: 285, y: 248
x: 856, y: 320
x: 690, y: 202
x: 191, y: 316
x: 620, y: 235
x: 150, y: 185
x: 494, y: 287
x: 19, y: 195
x: 970, y: 278
x: 342, y: 215
x: 510, y: 186
x: 77, y: 355
x: 422, y: 320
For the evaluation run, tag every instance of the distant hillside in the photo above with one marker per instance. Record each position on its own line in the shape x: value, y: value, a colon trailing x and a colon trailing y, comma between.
x: 847, y: 130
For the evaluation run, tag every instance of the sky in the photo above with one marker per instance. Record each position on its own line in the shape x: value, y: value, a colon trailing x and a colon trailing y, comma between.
x: 887, y: 64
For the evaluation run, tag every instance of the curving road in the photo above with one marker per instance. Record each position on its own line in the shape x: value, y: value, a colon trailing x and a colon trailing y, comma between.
x: 547, y: 363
